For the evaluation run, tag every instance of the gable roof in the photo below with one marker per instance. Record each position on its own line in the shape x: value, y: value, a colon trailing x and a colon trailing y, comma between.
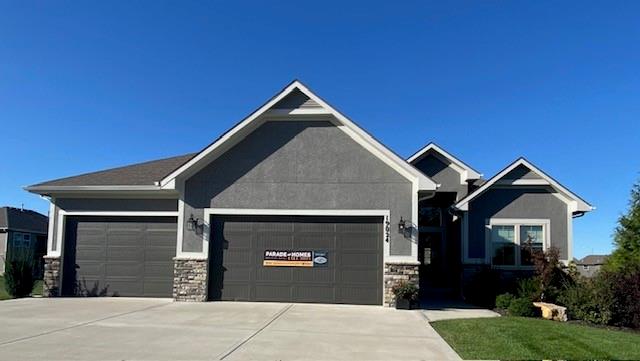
x: 315, y: 106
x: 23, y: 220
x: 468, y: 173
x: 145, y: 174
x: 579, y: 205
x: 593, y: 259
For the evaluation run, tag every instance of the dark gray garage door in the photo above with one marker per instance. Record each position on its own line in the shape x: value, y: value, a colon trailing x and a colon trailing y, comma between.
x: 119, y: 256
x: 353, y: 273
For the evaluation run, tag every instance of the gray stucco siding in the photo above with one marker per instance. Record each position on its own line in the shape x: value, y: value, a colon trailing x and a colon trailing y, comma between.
x: 443, y: 174
x: 298, y: 165
x: 517, y: 203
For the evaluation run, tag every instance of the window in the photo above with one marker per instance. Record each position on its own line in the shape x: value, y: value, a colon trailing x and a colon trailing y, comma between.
x: 531, y: 240
x: 514, y: 241
x: 21, y: 240
x: 504, y: 245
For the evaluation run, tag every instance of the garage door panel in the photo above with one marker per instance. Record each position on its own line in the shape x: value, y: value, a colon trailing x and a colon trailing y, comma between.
x: 91, y: 253
x: 239, y: 291
x: 354, y: 260
x: 272, y: 292
x: 354, y: 246
x: 157, y: 270
x: 92, y: 270
x: 356, y: 295
x: 237, y: 273
x: 357, y: 241
x: 124, y: 253
x: 266, y: 240
x: 322, y: 275
x: 126, y: 256
x: 314, y: 241
x: 310, y: 293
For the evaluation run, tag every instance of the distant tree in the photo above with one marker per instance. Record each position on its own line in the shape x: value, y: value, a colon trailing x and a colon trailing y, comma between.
x: 626, y: 254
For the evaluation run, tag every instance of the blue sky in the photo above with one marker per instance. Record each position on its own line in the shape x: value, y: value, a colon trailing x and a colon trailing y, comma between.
x: 86, y: 86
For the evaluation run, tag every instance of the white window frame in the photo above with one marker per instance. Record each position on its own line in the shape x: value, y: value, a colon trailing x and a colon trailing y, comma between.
x: 516, y: 223
x: 22, y: 242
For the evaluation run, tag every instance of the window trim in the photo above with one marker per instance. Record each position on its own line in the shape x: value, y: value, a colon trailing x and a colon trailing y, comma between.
x: 516, y: 223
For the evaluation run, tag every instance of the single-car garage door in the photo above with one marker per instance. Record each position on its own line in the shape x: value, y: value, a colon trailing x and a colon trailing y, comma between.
x: 121, y: 256
x: 349, y: 269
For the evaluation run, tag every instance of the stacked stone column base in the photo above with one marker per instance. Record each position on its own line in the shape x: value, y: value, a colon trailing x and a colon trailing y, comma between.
x: 395, y: 273
x: 190, y: 280
x: 51, y: 278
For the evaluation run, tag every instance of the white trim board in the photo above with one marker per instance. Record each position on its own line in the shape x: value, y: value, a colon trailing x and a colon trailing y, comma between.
x: 384, y: 213
x: 516, y: 223
x: 580, y: 205
x: 62, y: 215
x: 466, y: 171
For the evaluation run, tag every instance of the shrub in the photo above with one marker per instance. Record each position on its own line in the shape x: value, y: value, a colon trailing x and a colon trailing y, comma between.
x: 405, y: 290
x: 529, y: 288
x: 522, y: 307
x: 623, y: 288
x: 18, y: 275
x: 483, y: 287
x: 587, y: 300
x: 551, y: 278
x: 504, y: 300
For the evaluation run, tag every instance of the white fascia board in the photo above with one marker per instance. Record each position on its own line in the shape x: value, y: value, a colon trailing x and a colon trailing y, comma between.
x: 580, y: 204
x: 353, y: 130
x: 469, y: 173
x: 44, y: 189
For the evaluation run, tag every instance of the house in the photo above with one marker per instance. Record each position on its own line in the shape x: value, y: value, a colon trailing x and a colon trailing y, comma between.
x: 297, y: 203
x: 589, y: 265
x: 23, y: 230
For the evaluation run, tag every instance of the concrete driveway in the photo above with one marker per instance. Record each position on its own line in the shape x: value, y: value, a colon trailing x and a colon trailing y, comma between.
x: 158, y: 329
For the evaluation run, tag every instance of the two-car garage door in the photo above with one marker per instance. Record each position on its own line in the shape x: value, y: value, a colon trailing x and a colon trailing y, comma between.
x: 352, y: 247
x: 129, y: 256
x: 123, y: 256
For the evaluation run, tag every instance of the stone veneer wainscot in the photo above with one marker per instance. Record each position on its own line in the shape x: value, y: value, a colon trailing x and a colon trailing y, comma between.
x: 51, y: 277
x: 190, y: 280
x: 395, y: 273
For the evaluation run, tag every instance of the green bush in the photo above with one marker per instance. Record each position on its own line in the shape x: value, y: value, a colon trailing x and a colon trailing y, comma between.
x: 18, y: 275
x: 504, y: 300
x: 587, y: 300
x: 522, y: 307
x: 529, y: 288
x: 405, y: 290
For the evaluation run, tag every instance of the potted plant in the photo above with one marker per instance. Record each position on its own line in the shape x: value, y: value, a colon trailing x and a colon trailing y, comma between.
x: 406, y: 295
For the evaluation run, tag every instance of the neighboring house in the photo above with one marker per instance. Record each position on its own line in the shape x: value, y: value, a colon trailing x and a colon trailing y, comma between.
x: 23, y: 230
x: 591, y: 264
x: 297, y: 203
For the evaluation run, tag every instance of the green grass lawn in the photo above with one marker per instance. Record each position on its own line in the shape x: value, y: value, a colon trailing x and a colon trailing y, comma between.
x: 516, y: 338
x: 37, y: 289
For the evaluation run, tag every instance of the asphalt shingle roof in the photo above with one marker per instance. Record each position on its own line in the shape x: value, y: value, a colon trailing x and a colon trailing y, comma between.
x: 146, y: 173
x: 23, y: 219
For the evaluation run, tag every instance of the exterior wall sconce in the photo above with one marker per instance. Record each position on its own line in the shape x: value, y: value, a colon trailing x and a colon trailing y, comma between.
x: 402, y: 225
x: 192, y: 224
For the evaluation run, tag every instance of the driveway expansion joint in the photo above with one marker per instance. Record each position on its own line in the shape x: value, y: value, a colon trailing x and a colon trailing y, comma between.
x: 254, y: 334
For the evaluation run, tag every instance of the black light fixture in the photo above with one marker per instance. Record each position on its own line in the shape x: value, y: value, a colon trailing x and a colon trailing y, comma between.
x: 192, y: 223
x: 401, y: 225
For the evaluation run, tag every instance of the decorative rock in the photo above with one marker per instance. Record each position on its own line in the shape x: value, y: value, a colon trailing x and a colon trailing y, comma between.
x: 551, y: 311
x: 394, y: 273
x: 51, y: 277
x: 190, y: 280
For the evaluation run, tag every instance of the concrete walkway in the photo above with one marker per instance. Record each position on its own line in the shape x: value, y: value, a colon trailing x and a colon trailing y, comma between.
x: 452, y: 310
x: 157, y: 329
